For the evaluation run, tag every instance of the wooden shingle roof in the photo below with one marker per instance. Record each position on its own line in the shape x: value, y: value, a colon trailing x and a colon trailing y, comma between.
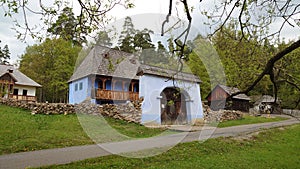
x: 109, y: 62
x: 167, y: 73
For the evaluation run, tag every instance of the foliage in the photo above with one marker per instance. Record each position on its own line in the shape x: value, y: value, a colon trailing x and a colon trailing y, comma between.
x: 4, y: 55
x: 136, y: 41
x: 287, y: 73
x: 126, y: 38
x: 92, y: 13
x: 242, y: 59
x: 51, y: 64
x: 245, y: 59
x: 264, y: 150
x: 67, y: 27
x: 103, y: 39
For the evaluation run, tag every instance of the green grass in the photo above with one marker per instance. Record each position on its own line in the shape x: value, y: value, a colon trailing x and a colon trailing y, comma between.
x: 136, y: 131
x: 250, y: 120
x: 20, y: 131
x: 274, y: 148
x: 107, y: 129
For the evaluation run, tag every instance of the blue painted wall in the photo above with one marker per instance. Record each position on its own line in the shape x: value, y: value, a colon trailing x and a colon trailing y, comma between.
x: 79, y: 90
x: 151, y: 88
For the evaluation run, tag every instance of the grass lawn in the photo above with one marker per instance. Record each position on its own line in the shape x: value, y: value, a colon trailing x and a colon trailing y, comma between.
x: 249, y: 120
x: 274, y: 148
x: 20, y: 131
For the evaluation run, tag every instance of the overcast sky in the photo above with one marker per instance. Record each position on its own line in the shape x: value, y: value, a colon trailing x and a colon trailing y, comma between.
x: 17, y: 48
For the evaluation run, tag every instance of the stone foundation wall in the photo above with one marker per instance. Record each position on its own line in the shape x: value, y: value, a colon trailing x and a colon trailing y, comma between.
x: 130, y: 112
x: 41, y: 108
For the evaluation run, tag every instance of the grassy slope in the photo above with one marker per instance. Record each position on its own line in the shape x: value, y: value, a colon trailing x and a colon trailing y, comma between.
x: 275, y: 148
x: 20, y: 131
x: 249, y: 120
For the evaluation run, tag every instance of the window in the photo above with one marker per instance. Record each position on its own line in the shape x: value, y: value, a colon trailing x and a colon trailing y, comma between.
x: 16, y: 92
x: 80, y: 86
x: 24, y: 92
x: 100, y: 84
x: 76, y: 86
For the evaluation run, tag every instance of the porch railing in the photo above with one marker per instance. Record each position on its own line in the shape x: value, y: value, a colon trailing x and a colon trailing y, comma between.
x: 21, y: 97
x: 116, y: 95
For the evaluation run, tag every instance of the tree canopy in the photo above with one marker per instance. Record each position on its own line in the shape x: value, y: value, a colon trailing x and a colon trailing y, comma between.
x: 50, y: 64
x: 252, y: 20
x: 4, y: 55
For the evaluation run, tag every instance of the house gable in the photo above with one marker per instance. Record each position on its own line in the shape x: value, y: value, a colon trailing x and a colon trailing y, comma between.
x: 222, y: 92
x: 17, y: 85
x: 217, y: 93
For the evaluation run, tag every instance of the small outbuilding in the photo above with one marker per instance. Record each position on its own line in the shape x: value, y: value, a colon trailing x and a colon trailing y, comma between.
x: 267, y: 103
x: 219, y: 98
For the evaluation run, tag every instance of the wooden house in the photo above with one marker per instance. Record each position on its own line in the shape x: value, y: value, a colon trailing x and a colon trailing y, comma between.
x: 112, y: 76
x: 15, y: 84
x: 219, y: 98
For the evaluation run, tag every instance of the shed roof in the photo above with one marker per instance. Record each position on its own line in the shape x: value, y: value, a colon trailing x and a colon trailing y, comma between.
x: 21, y: 79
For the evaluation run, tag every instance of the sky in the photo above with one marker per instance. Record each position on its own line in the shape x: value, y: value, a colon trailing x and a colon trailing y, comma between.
x: 143, y: 8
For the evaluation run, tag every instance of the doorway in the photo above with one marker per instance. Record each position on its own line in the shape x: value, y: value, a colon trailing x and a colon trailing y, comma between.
x: 173, y: 106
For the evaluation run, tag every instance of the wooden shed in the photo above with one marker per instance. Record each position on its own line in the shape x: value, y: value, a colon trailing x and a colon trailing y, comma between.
x: 265, y: 100
x: 219, y: 98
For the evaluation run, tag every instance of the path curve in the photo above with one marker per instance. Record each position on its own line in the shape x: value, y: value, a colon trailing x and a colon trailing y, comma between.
x: 75, y: 153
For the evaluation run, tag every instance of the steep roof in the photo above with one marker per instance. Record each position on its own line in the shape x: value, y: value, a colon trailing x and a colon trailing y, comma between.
x: 106, y: 61
x: 163, y: 72
x: 21, y: 79
x: 232, y: 90
x: 109, y: 62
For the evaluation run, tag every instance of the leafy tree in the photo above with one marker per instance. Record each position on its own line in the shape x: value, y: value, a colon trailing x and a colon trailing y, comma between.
x: 287, y: 73
x: 103, y: 39
x: 126, y: 38
x: 51, y: 64
x: 4, y: 55
x: 142, y: 39
x: 92, y: 13
x: 243, y: 59
x: 67, y: 27
x: 253, y: 19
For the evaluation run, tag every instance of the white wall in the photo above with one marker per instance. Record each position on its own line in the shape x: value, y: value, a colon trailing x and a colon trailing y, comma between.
x: 31, y: 91
x: 151, y: 88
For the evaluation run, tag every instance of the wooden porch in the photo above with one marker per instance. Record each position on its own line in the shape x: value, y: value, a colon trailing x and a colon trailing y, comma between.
x: 103, y: 94
x: 23, y: 98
